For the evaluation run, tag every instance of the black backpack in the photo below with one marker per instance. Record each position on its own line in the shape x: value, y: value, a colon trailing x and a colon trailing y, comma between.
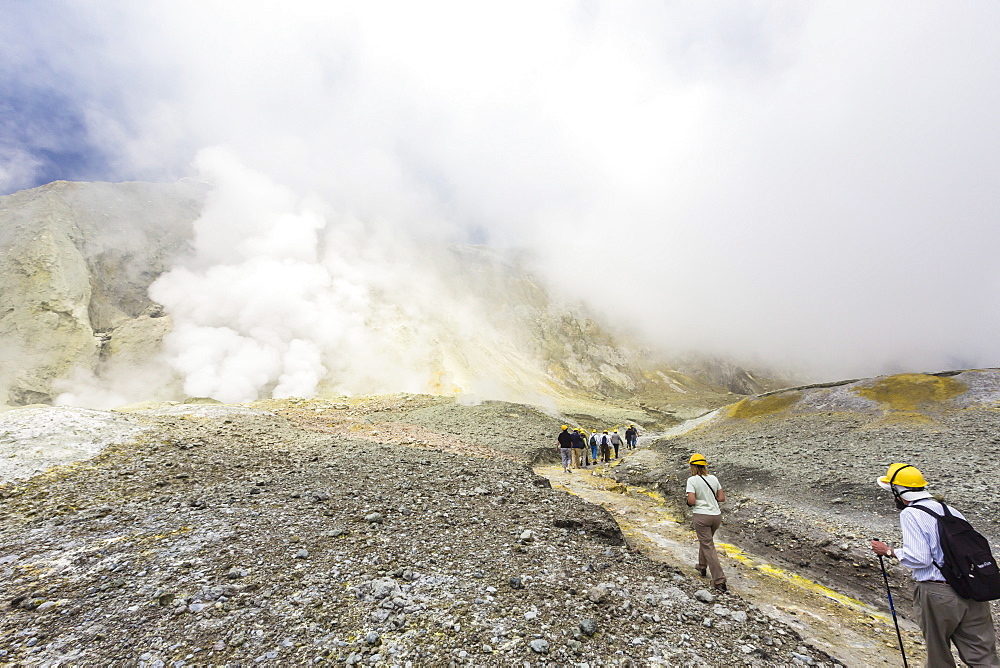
x: 969, y: 566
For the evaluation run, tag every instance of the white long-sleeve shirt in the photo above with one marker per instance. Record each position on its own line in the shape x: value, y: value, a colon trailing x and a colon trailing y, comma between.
x: 921, y: 543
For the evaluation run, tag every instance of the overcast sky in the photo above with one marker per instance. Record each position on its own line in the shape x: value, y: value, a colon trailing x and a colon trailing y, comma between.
x: 801, y: 183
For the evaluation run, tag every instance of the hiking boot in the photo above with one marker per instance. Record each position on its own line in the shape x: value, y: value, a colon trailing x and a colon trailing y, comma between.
x: 722, y: 587
x: 702, y: 571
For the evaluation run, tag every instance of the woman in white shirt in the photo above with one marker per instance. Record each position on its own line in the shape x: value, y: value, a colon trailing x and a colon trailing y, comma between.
x: 704, y: 494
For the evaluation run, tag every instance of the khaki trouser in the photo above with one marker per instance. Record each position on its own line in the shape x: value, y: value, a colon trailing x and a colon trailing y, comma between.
x: 576, y: 457
x: 944, y: 618
x: 705, y: 527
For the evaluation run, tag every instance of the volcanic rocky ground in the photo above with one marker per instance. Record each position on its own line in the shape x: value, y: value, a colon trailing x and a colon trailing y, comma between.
x: 799, y: 468
x: 403, y: 530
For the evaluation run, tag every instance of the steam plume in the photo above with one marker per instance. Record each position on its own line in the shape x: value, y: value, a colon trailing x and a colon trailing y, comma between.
x: 799, y: 184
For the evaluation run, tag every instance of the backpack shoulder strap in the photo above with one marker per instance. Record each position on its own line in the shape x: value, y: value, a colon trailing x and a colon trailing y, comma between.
x: 929, y: 511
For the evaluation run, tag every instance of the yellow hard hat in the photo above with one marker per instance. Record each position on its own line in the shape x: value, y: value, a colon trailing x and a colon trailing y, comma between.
x: 698, y: 459
x: 565, y: 426
x: 904, y: 475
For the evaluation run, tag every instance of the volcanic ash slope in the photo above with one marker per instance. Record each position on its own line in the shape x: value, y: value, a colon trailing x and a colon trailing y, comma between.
x: 799, y: 467
x: 383, y: 531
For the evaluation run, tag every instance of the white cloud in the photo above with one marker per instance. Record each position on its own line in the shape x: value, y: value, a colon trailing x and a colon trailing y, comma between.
x: 801, y: 183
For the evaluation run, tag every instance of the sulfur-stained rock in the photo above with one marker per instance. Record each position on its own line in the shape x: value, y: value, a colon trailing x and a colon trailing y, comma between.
x: 76, y: 260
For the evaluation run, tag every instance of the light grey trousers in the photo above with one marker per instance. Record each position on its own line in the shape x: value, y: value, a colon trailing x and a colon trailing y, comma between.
x: 944, y: 618
x: 567, y: 457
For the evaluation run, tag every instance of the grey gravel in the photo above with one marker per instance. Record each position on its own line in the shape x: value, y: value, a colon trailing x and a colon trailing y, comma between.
x: 116, y: 544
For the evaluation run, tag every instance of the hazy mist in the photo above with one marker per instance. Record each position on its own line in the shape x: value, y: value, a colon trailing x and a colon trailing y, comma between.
x: 805, y: 185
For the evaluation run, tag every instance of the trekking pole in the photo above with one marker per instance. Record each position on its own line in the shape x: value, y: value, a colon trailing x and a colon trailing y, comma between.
x: 885, y: 577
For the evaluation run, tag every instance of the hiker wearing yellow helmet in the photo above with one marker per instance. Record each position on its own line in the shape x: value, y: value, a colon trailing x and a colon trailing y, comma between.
x: 584, y: 448
x: 616, y: 441
x: 604, y: 443
x: 576, y: 439
x: 944, y: 617
x: 704, y: 494
x: 565, y: 448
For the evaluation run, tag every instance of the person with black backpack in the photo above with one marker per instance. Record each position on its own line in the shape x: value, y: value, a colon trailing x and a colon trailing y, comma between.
x: 605, y: 447
x: 954, y: 572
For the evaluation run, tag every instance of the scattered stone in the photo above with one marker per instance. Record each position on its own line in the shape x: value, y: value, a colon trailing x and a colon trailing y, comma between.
x: 704, y: 596
x: 539, y: 646
x: 598, y: 594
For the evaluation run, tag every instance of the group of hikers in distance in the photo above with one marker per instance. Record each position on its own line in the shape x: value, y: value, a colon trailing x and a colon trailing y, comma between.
x: 954, y: 571
x: 579, y: 448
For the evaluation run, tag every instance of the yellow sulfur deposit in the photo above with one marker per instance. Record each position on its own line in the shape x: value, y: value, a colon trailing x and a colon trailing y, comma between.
x: 759, y: 407
x: 911, y: 391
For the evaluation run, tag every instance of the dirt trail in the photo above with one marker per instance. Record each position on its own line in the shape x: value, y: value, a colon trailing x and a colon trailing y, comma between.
x: 849, y: 630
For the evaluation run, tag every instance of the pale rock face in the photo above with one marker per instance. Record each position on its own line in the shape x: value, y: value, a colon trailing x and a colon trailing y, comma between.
x: 76, y: 260
x: 138, y: 340
x: 44, y: 326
